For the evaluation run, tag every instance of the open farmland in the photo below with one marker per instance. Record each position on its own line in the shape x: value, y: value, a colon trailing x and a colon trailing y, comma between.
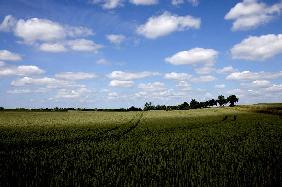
x: 218, y: 146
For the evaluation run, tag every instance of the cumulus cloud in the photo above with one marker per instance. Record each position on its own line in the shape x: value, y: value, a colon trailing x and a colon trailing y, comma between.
x: 102, y: 61
x: 167, y: 23
x: 193, y: 56
x: 27, y: 91
x: 205, y: 70
x: 108, y: 4
x: 144, y: 2
x: 258, y: 47
x: 121, y: 83
x: 8, y: 24
x: 20, y: 71
x: 50, y: 36
x: 220, y: 86
x: 152, y: 86
x: 44, y: 30
x: 177, y: 76
x: 74, y: 76
x: 72, y: 93
x: 250, y: 76
x: 257, y: 84
x: 83, y: 45
x: 275, y: 88
x: 126, y: 76
x: 46, y: 82
x: 178, y: 2
x: 184, y: 86
x: 53, y: 48
x: 227, y: 69
x: 206, y: 78
x: 9, y: 56
x: 116, y: 38
x: 252, y: 13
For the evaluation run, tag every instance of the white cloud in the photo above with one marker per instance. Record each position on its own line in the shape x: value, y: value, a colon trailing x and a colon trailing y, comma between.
x: 108, y: 4
x: 114, y: 95
x: 8, y: 24
x: 275, y: 88
x: 26, y: 90
x: 220, y: 86
x: 261, y: 83
x: 178, y: 2
x: 177, y: 76
x: 9, y: 56
x: 44, y: 81
x: 144, y: 2
x: 116, y: 38
x: 72, y: 93
x: 194, y: 2
x: 74, y: 76
x: 53, y: 48
x: 184, y: 86
x: 258, y: 47
x: 193, y: 56
x: 152, y: 86
x: 39, y: 29
x: 50, y: 36
x: 205, y: 70
x: 227, y: 69
x: 121, y: 83
x: 20, y: 71
x: 250, y: 76
x: 36, y: 29
x: 102, y: 61
x: 83, y: 45
x: 167, y: 23
x: 121, y: 75
x: 2, y: 63
x: 252, y: 13
x: 206, y: 78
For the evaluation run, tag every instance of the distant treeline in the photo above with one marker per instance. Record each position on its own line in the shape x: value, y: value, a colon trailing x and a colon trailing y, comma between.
x: 194, y: 104
x: 57, y: 109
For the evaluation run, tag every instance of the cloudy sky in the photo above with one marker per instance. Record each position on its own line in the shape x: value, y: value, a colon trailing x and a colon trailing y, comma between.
x: 118, y: 53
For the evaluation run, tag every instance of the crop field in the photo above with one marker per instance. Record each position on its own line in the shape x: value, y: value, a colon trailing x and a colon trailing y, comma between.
x: 238, y: 146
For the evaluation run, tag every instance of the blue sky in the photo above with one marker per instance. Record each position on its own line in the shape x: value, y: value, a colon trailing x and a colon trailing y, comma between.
x: 118, y: 53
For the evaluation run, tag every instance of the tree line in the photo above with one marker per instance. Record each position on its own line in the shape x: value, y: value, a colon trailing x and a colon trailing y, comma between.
x: 194, y: 104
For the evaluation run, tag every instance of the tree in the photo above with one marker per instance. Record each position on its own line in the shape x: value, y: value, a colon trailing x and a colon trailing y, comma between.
x: 212, y: 102
x: 184, y: 106
x: 148, y: 106
x: 1, y: 108
x: 232, y: 99
x: 221, y: 100
x: 194, y: 104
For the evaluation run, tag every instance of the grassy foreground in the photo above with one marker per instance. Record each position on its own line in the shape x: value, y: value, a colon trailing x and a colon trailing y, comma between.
x: 220, y: 147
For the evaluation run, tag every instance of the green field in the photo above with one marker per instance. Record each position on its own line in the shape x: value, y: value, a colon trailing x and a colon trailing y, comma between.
x: 240, y: 146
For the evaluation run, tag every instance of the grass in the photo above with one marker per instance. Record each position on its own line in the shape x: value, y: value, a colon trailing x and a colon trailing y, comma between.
x: 201, y: 147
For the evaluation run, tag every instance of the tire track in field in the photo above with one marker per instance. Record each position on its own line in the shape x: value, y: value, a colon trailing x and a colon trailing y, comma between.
x: 131, y: 128
x: 112, y: 133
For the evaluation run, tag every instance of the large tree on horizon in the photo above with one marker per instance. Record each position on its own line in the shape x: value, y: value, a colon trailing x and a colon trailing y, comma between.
x: 221, y: 100
x: 232, y: 99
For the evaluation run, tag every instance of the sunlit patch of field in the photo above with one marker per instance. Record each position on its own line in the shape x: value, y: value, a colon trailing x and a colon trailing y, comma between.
x: 217, y: 146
